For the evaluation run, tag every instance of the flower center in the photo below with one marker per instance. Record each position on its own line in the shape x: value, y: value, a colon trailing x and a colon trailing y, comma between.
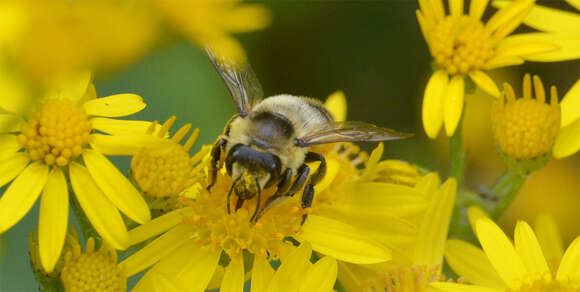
x: 234, y: 232
x: 56, y: 133
x: 92, y: 271
x: 526, y: 128
x: 461, y: 44
x: 405, y: 279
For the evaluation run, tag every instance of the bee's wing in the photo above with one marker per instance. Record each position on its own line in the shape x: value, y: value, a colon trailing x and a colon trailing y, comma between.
x: 349, y: 132
x: 240, y: 79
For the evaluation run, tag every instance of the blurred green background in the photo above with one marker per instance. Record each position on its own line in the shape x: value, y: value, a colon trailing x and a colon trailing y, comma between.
x: 373, y: 51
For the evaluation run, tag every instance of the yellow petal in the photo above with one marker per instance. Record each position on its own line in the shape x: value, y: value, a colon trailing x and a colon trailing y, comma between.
x: 567, y: 46
x: 120, y: 127
x: 553, y: 20
x: 374, y: 159
x: 53, y: 219
x: 198, y: 272
x: 530, y: 251
x: 472, y: 264
x: 21, y: 194
x: 336, y: 105
x: 501, y: 253
x: 456, y: 7
x: 163, y: 283
x: 453, y: 104
x: 453, y: 287
x: 157, y: 249
x: 10, y: 123
x: 575, y: 3
x: 568, y: 140
x: 99, y: 210
x: 484, y: 82
x: 510, y: 25
x: 428, y: 184
x: 433, y: 103
x: 477, y: 7
x: 549, y: 237
x: 570, y: 105
x: 71, y: 86
x: 157, y: 225
x: 8, y: 146
x: 519, y: 46
x: 435, y: 226
x: 568, y: 271
x: 503, y: 61
x: 474, y: 213
x: 505, y: 14
x: 233, y: 280
x: 124, y: 145
x: 247, y: 18
x: 116, y: 186
x: 332, y: 169
x: 113, y: 106
x: 342, y: 241
x: 292, y: 270
x: 321, y: 276
x: 12, y: 166
x: 262, y: 273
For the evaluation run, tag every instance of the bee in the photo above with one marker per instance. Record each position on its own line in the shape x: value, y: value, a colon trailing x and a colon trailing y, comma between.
x: 267, y: 143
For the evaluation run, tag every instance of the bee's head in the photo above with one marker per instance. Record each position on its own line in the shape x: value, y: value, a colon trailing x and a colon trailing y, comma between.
x: 246, y: 186
x: 247, y: 165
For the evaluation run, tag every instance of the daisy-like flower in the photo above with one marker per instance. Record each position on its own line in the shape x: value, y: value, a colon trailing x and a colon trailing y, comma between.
x: 463, y: 46
x: 525, y: 129
x: 58, y: 141
x: 209, y: 23
x: 342, y: 224
x: 163, y: 173
x: 514, y: 267
x: 295, y: 274
x: 419, y: 262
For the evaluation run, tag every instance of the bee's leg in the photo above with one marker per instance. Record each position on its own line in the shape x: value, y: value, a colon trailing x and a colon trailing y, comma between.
x: 321, y: 171
x: 229, y: 197
x: 283, y: 187
x: 301, y: 178
x: 307, y: 197
x: 215, y: 161
x: 258, y: 199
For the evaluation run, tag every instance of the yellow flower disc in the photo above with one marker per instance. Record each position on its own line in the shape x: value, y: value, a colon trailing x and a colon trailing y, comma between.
x: 92, y: 270
x: 525, y: 128
x: 234, y: 232
x: 403, y: 279
x: 162, y: 172
x: 460, y: 44
x: 56, y: 133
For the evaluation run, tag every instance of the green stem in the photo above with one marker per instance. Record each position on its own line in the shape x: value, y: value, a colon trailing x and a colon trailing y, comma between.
x: 87, y: 229
x: 506, y: 189
x: 458, y: 157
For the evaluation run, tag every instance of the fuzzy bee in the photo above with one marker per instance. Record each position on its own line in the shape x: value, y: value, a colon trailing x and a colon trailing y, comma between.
x: 267, y: 142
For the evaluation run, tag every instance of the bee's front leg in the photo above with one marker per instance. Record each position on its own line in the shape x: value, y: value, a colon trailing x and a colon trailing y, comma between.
x: 215, y: 161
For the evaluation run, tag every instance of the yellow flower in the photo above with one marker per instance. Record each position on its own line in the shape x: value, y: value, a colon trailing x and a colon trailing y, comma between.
x: 418, y: 262
x: 46, y: 151
x: 295, y: 274
x: 48, y: 38
x: 503, y: 266
x: 92, y: 270
x: 463, y: 46
x: 163, y: 173
x: 210, y: 23
x: 341, y: 223
x: 525, y: 129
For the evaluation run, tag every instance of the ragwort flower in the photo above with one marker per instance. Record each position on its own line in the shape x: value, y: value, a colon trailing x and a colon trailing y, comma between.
x: 342, y: 223
x: 46, y: 151
x: 512, y: 267
x: 209, y: 23
x: 463, y: 46
x: 416, y: 263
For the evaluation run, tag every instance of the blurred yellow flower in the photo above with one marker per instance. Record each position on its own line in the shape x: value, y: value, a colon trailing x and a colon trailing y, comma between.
x: 507, y: 266
x: 463, y: 46
x: 418, y: 262
x: 210, y: 23
x: 46, y: 149
x: 525, y: 128
x: 92, y: 270
x: 50, y: 38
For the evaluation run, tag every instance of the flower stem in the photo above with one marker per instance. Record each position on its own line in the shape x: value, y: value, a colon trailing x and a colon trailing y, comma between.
x: 458, y: 157
x: 87, y: 229
x: 506, y: 189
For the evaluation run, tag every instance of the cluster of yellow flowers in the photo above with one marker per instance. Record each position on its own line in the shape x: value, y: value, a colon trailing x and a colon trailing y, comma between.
x: 374, y: 225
